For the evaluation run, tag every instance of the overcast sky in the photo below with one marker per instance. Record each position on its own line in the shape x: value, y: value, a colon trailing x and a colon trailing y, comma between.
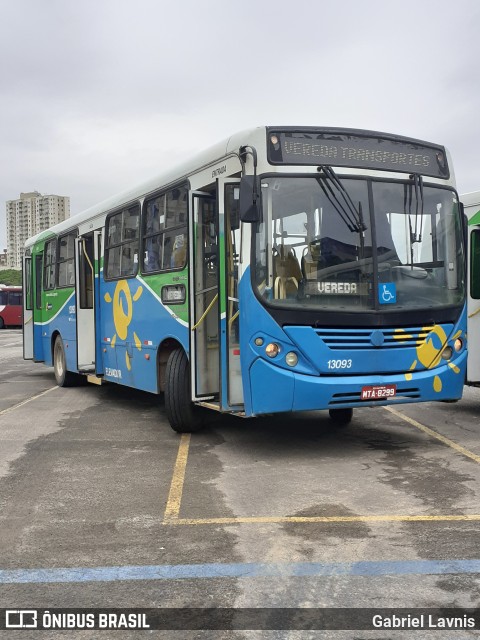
x: 99, y: 95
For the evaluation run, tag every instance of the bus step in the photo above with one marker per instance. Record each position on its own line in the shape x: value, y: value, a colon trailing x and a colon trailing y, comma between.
x: 210, y: 405
x: 94, y: 380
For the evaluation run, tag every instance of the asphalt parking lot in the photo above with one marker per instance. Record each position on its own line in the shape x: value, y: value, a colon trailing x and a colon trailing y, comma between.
x: 103, y: 505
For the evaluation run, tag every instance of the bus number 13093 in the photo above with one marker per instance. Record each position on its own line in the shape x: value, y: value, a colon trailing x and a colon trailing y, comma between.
x: 339, y: 364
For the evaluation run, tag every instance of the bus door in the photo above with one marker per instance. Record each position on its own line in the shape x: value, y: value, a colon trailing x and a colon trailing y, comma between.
x: 473, y: 364
x: 204, y: 303
x: 84, y: 301
x: 38, y: 352
x: 229, y: 232
x: 27, y: 308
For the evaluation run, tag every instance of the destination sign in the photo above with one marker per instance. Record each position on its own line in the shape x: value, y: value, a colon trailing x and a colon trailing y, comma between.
x: 359, y: 151
x: 336, y: 288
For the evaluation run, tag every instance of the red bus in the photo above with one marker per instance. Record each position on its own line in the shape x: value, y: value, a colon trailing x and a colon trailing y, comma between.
x: 10, y: 306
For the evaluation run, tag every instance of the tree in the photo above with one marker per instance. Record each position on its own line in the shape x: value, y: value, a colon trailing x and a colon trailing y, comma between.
x: 11, y: 277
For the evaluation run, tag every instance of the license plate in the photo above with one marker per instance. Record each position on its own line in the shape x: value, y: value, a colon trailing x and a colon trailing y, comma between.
x: 377, y: 393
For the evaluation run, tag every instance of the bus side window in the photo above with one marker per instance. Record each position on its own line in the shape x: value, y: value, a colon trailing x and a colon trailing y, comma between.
x: 28, y: 291
x: 86, y: 273
x: 165, y: 231
x: 50, y: 264
x: 121, y: 247
x: 38, y: 280
x: 66, y: 265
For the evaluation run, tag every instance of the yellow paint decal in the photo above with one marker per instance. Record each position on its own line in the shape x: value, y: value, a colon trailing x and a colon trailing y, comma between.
x: 136, y: 339
x: 429, y: 353
x: 123, y: 314
x: 433, y: 341
x: 401, y: 335
x: 121, y: 317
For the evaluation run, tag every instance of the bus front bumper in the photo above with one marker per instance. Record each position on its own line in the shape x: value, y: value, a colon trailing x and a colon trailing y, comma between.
x: 274, y: 389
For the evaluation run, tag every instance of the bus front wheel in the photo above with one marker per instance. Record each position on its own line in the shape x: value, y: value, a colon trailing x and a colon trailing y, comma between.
x: 63, y: 377
x: 341, y: 417
x: 183, y: 415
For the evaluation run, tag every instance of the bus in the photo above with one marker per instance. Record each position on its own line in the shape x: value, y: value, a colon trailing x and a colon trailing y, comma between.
x: 471, y: 203
x: 285, y: 269
x: 10, y: 306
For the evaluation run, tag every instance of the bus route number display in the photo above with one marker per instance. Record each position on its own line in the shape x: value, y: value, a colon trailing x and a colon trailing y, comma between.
x: 367, y: 152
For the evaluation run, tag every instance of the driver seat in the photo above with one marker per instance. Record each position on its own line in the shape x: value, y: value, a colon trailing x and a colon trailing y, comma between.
x: 287, y: 272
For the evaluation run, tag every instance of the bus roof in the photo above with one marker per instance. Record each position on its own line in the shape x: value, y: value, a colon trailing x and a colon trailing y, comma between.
x: 471, y: 199
x: 177, y: 173
x: 202, y: 160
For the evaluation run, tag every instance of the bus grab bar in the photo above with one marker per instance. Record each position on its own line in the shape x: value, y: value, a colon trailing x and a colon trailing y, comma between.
x: 195, y: 326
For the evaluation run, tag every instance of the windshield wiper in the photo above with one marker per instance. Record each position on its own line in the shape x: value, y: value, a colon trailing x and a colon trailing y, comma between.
x: 351, y: 216
x: 417, y: 231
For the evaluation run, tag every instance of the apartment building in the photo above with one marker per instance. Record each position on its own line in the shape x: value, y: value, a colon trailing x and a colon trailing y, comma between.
x: 27, y: 216
x: 3, y: 259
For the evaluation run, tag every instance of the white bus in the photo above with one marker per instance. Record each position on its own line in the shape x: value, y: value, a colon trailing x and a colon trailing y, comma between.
x: 471, y: 203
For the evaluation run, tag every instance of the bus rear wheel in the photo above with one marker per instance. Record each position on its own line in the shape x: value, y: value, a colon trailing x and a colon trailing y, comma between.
x: 63, y: 377
x: 341, y: 417
x: 2, y: 324
x: 182, y: 414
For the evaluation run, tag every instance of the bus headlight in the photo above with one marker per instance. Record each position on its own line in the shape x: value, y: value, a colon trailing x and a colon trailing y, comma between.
x: 447, y: 353
x: 272, y: 349
x: 291, y: 358
x: 458, y: 345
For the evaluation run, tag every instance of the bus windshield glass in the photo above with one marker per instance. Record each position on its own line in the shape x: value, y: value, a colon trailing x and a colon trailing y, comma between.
x: 358, y: 244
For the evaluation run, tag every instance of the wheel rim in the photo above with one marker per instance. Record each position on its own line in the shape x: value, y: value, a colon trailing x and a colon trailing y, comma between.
x: 59, y: 366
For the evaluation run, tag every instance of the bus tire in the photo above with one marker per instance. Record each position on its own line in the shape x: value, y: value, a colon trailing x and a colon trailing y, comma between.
x: 182, y: 414
x: 2, y: 324
x: 341, y: 417
x: 63, y: 377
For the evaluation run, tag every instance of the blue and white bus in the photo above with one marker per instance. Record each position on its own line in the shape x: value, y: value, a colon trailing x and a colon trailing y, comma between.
x: 286, y: 269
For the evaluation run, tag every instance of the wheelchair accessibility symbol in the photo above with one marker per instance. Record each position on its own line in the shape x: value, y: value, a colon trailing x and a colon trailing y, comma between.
x: 387, y: 293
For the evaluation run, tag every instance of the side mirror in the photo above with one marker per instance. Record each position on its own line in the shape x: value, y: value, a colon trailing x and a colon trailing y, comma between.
x: 249, y: 199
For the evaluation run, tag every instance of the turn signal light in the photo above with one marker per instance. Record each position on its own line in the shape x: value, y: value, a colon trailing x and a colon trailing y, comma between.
x: 272, y: 349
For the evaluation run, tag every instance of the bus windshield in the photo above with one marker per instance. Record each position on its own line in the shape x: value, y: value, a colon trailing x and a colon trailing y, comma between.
x: 358, y: 244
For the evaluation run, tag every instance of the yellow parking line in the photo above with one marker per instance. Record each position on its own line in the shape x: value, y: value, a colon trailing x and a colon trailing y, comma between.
x: 434, y: 434
x: 174, y: 500
x: 172, y: 509
x: 323, y: 519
